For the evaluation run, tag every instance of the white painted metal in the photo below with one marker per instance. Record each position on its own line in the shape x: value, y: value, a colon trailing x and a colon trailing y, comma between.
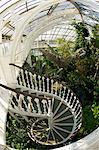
x: 45, y: 24
x: 89, y: 142
x: 47, y: 110
x: 22, y: 25
x: 4, y: 101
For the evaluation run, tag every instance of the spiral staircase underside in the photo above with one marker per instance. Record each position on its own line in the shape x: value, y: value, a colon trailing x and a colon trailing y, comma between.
x: 52, y: 111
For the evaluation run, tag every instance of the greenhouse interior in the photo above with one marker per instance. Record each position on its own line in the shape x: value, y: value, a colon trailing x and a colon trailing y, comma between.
x: 49, y: 74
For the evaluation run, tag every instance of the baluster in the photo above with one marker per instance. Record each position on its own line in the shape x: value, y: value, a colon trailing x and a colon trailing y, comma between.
x: 60, y: 90
x: 21, y: 97
x: 35, y: 82
x: 78, y: 125
x: 31, y: 80
x: 70, y: 99
x: 23, y: 78
x: 43, y: 79
x: 67, y: 95
x: 64, y: 92
x: 48, y: 85
x: 24, y: 102
x: 27, y: 79
x: 79, y: 113
x: 49, y: 107
x: 78, y: 121
x: 52, y: 85
x: 38, y: 105
x: 75, y: 106
x: 20, y: 79
x: 44, y: 106
x: 78, y: 108
x: 30, y: 105
x: 11, y: 101
x: 39, y: 78
x: 56, y: 87
x: 74, y: 100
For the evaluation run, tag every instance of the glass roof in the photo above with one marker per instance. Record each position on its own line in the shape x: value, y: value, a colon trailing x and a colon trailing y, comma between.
x: 88, y: 10
x: 23, y: 6
x: 61, y: 30
x: 12, y: 11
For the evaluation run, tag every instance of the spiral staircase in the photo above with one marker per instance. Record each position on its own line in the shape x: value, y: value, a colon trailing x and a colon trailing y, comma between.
x: 51, y: 110
x: 56, y: 114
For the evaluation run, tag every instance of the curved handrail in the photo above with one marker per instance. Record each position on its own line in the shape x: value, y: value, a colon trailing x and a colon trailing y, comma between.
x: 29, y: 84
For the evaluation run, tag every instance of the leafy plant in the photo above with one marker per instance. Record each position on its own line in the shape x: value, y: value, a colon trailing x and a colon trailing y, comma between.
x: 95, y: 110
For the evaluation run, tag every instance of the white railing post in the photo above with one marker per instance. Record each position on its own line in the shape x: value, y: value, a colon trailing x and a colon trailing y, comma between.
x: 43, y: 79
x: 35, y: 81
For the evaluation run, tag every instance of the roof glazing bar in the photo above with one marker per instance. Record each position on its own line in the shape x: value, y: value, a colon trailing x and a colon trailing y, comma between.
x: 52, y: 9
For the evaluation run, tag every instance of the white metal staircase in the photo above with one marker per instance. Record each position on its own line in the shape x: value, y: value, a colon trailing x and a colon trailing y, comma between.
x: 55, y: 111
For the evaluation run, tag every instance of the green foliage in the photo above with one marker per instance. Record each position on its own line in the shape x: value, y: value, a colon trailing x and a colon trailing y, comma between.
x: 43, y: 66
x: 16, y: 134
x: 95, y: 110
x: 89, y: 122
x: 64, y: 47
x: 95, y: 39
x: 17, y: 137
x: 82, y: 33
